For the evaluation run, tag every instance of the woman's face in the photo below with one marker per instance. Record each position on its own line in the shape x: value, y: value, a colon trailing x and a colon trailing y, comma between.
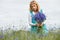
x: 34, y: 7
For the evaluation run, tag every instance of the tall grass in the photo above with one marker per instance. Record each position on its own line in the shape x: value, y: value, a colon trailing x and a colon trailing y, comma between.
x: 26, y: 35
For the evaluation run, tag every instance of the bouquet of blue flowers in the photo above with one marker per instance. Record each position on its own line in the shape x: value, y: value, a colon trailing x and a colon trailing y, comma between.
x: 40, y: 17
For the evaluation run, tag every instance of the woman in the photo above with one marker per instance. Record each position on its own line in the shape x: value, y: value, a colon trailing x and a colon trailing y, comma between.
x: 33, y: 22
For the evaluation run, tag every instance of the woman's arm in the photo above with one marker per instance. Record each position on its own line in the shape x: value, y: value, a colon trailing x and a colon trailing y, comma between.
x: 30, y: 20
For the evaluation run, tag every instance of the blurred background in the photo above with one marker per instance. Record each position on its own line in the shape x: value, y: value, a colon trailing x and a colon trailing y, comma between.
x: 14, y: 13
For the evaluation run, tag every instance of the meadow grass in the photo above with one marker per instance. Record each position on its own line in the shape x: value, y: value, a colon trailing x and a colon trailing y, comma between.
x: 26, y: 35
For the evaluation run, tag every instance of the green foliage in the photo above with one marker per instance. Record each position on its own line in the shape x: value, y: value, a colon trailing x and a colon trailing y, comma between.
x: 26, y: 35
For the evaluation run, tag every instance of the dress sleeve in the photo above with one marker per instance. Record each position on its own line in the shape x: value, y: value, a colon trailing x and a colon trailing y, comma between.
x: 30, y: 20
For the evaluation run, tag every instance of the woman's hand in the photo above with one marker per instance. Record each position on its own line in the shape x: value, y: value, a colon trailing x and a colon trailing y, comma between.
x: 39, y: 24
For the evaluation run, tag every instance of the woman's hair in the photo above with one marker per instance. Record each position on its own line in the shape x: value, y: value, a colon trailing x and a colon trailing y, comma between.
x: 33, y: 2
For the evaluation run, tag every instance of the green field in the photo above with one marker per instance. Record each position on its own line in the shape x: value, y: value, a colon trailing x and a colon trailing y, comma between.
x: 26, y: 35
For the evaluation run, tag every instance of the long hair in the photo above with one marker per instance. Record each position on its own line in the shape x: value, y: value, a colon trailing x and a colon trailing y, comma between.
x: 31, y: 3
